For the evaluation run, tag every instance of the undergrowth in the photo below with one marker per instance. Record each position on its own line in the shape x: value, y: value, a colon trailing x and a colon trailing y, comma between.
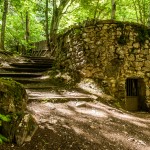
x: 3, y: 118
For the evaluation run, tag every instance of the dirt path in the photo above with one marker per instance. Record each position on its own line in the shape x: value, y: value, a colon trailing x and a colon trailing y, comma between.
x: 86, y: 126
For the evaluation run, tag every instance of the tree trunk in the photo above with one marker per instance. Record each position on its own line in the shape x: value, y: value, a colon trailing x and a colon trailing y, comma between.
x: 96, y: 9
x: 136, y: 11
x: 56, y: 17
x: 113, y: 9
x: 140, y: 11
x: 27, y: 34
x: 4, y: 17
x: 27, y: 27
x: 148, y: 23
x: 55, y: 20
x: 47, y: 26
x: 144, y: 12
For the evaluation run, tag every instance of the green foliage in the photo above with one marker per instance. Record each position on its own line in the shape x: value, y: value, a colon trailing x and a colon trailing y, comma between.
x: 4, y: 118
x: 117, y: 105
x: 3, y: 139
x: 74, y: 11
x: 77, y: 31
x: 143, y: 34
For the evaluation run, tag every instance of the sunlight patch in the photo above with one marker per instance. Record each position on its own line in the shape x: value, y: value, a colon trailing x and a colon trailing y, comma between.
x: 49, y: 105
x: 65, y: 111
x: 140, y: 124
x: 92, y: 112
x: 77, y: 130
x: 80, y: 119
x: 132, y: 119
x: 44, y: 77
x: 91, y: 87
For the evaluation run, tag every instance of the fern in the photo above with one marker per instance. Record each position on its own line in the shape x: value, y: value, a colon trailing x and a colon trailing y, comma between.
x: 3, y: 139
x: 4, y: 118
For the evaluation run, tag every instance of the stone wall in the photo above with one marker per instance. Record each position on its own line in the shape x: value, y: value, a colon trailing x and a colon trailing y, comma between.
x: 108, y: 51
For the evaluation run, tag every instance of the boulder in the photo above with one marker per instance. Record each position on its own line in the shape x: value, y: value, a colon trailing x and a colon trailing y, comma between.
x: 13, y: 102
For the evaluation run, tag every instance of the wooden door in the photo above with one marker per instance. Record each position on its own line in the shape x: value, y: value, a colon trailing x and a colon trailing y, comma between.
x: 132, y: 94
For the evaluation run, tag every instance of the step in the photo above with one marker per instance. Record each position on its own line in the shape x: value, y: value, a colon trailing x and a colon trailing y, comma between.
x: 31, y: 65
x: 42, y: 61
x: 24, y: 75
x: 57, y: 96
x: 58, y: 99
x: 30, y: 70
x: 37, y: 57
x: 40, y: 87
x: 40, y: 58
x: 40, y: 84
x: 31, y: 80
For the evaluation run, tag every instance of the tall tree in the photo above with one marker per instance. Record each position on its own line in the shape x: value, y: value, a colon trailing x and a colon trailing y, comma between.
x: 47, y: 24
x: 27, y: 27
x: 58, y: 10
x: 142, y: 11
x: 3, y: 28
x: 113, y: 9
x: 148, y: 23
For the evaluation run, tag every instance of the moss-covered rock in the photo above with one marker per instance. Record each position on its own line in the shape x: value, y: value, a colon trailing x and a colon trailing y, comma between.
x: 13, y: 97
x: 13, y: 101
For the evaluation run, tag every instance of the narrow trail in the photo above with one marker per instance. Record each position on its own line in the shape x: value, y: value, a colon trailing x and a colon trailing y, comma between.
x: 73, y: 119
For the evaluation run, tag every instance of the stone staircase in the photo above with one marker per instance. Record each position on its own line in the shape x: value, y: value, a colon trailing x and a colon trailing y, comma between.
x: 32, y: 74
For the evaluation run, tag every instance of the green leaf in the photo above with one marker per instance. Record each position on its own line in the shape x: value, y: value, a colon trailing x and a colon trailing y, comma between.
x: 3, y: 139
x: 5, y: 118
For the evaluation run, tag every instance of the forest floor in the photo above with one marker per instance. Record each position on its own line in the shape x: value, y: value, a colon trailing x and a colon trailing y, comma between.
x: 86, y: 125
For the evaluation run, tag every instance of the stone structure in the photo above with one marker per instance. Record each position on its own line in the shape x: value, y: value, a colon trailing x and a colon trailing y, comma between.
x: 111, y: 52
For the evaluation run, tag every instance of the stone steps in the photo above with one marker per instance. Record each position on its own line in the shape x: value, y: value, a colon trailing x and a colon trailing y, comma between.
x: 29, y: 70
x: 38, y: 86
x: 53, y: 95
x: 30, y: 80
x: 24, y: 75
x: 32, y: 65
x: 45, y: 87
x: 41, y: 59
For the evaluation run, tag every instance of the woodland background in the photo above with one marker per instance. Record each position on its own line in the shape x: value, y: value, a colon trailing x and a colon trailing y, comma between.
x: 24, y: 22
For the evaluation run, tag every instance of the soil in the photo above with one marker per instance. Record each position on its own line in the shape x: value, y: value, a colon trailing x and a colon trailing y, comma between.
x: 81, y: 125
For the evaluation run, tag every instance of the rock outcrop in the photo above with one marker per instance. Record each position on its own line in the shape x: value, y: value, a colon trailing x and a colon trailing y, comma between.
x: 13, y: 101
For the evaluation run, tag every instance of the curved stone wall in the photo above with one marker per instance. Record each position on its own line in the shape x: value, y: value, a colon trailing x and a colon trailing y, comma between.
x: 108, y: 51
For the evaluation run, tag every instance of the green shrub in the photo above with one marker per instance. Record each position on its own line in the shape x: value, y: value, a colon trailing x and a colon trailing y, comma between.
x: 4, y: 118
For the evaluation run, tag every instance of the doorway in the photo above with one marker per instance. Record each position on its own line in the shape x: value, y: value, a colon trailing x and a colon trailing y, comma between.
x: 135, y: 94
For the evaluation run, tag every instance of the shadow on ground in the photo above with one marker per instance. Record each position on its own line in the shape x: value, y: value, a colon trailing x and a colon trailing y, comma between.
x: 87, y: 126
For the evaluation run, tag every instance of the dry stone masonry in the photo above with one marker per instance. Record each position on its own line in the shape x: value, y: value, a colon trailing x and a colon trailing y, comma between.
x: 111, y: 52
